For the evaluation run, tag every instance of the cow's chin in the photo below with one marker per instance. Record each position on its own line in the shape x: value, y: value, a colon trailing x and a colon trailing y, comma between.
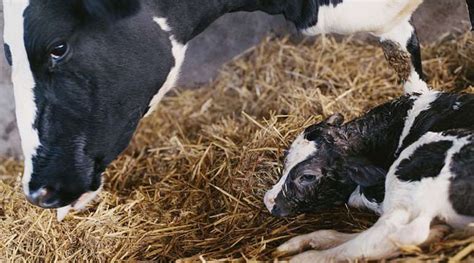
x: 79, y: 204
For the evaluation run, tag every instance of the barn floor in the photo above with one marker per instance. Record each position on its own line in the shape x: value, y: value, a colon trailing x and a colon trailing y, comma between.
x: 191, y: 184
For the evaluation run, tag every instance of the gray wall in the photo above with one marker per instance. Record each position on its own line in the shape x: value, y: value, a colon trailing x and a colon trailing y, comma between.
x: 9, y: 139
x: 226, y: 38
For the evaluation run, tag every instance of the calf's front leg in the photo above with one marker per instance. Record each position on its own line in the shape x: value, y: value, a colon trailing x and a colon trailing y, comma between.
x: 383, y: 240
x: 322, y: 239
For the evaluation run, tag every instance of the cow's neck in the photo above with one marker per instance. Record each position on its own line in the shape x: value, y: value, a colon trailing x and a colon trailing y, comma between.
x: 376, y: 135
x: 188, y: 18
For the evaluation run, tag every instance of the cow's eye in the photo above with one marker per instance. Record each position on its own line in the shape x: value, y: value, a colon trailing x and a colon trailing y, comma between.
x: 59, y: 51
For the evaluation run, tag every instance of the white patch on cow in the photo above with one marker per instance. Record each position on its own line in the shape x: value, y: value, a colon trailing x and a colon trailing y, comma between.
x: 80, y: 204
x: 358, y: 200
x: 62, y: 212
x: 299, y: 151
x: 421, y: 103
x: 399, y: 34
x: 23, y: 84
x: 415, y: 84
x: 163, y: 23
x: 179, y: 51
x: 352, y: 16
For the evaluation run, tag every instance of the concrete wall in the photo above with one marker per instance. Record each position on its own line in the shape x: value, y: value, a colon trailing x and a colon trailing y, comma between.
x: 9, y: 139
x: 226, y: 38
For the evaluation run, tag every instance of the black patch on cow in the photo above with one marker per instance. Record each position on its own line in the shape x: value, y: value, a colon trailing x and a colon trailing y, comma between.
x: 109, y: 9
x: 470, y: 6
x: 461, y: 190
x: 304, y: 13
x: 427, y: 161
x: 8, y: 53
x: 413, y: 46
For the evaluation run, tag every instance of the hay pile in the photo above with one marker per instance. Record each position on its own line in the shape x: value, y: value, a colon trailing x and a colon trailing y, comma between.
x: 191, y: 184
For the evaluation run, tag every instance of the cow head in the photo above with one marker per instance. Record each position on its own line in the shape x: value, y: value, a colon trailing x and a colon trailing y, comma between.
x: 313, y: 176
x: 84, y: 73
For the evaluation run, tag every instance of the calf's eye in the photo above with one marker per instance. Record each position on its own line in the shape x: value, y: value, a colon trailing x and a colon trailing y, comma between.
x: 307, y: 178
x: 59, y: 51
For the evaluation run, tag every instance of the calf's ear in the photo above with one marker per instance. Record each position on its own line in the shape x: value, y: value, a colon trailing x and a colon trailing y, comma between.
x: 363, y: 172
x: 109, y: 9
x: 335, y: 120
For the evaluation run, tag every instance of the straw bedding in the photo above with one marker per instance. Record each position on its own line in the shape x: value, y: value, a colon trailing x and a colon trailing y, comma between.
x: 191, y: 184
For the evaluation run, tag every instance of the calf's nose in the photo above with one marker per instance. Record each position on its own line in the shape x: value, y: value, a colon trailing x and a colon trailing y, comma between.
x: 269, y: 201
x: 44, y: 197
x: 279, y: 211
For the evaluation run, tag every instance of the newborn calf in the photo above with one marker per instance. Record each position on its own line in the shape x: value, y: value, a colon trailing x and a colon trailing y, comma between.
x: 419, y: 148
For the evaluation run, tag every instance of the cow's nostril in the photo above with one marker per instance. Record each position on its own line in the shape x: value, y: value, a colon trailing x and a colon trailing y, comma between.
x: 44, y: 197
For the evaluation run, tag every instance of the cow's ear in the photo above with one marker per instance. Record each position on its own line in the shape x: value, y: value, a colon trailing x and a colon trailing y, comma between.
x: 110, y: 9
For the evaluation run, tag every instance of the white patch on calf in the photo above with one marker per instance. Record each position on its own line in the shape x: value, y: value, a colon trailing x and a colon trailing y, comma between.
x: 179, y: 51
x: 422, y: 103
x: 23, y: 84
x: 358, y: 200
x: 418, y: 197
x: 299, y: 151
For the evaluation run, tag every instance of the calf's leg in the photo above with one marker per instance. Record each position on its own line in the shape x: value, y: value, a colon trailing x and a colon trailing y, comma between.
x: 382, y: 240
x: 322, y: 239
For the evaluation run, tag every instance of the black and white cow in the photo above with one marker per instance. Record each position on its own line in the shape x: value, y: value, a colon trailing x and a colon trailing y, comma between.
x: 419, y: 148
x: 86, y: 71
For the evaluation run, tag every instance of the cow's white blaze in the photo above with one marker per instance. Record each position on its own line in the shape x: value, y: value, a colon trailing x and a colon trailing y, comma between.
x: 421, y: 103
x: 23, y: 83
x: 179, y: 51
x: 299, y: 151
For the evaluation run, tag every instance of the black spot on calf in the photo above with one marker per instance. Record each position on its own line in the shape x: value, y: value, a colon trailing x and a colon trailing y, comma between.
x: 461, y: 190
x: 426, y: 161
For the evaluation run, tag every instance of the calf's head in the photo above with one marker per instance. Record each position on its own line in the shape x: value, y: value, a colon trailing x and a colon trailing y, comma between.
x: 313, y: 176
x: 84, y: 73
